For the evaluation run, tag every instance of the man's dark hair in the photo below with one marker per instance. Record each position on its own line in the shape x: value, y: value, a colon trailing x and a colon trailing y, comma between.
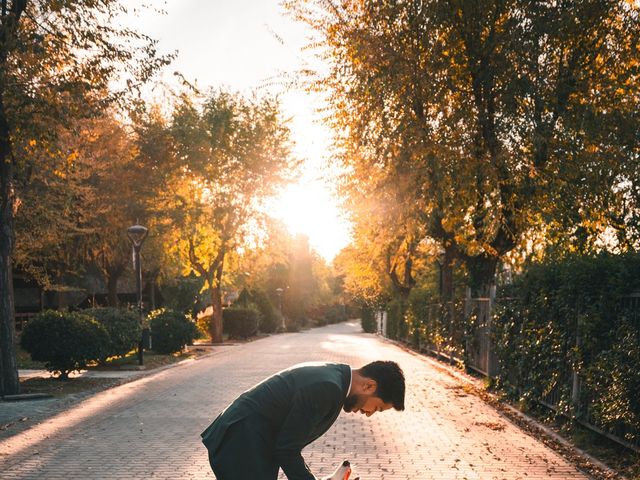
x: 390, y: 380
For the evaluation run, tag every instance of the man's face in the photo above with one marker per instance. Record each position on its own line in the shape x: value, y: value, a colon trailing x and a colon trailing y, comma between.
x: 365, y: 404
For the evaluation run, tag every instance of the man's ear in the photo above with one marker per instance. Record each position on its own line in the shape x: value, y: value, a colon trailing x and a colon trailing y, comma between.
x: 370, y: 386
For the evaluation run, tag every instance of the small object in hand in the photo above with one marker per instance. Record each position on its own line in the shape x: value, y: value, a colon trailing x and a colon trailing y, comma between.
x: 343, y: 472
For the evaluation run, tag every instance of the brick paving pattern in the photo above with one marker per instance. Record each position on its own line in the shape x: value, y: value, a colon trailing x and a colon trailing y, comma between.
x: 150, y: 428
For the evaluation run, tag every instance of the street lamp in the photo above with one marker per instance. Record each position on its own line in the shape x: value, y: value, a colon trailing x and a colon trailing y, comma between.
x: 279, y: 293
x: 137, y: 235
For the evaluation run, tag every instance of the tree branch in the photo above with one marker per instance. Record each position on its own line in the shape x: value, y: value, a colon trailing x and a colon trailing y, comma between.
x: 193, y: 259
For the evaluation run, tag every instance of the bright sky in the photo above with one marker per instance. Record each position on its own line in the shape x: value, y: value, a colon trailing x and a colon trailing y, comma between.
x: 242, y: 45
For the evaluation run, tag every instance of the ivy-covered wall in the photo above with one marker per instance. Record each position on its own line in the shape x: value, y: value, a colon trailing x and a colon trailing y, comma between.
x: 575, y: 315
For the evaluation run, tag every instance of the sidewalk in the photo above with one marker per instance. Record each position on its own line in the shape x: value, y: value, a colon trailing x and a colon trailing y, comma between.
x: 149, y: 427
x: 17, y: 416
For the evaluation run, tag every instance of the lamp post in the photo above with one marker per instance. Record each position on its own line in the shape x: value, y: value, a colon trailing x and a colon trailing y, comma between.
x: 137, y: 235
x: 279, y: 293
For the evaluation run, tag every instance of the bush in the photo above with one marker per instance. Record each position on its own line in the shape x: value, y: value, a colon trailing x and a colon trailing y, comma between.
x: 171, y: 331
x: 64, y: 341
x: 203, y: 326
x: 317, y: 315
x: 574, y: 315
x: 396, y: 328
x: 335, y: 313
x: 417, y: 317
x: 183, y: 294
x: 269, y: 318
x: 613, y: 382
x: 327, y: 314
x: 293, y: 325
x: 123, y: 327
x: 368, y: 320
x: 240, y: 322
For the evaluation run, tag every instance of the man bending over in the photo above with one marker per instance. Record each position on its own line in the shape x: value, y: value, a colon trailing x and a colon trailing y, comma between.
x: 267, y: 426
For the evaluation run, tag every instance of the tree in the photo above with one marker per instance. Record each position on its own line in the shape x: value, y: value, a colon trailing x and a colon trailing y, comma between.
x: 275, y: 259
x: 74, y: 213
x: 106, y: 178
x: 234, y: 153
x: 45, y: 80
x: 502, y: 117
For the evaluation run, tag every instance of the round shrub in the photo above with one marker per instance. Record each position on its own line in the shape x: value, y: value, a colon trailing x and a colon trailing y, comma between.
x: 171, y: 331
x: 240, y: 322
x: 123, y: 327
x: 64, y: 341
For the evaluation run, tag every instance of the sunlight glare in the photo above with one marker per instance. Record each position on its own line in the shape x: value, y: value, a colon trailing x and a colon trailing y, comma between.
x: 308, y: 207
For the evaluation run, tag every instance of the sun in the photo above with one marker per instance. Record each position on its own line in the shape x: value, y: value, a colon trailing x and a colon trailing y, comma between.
x: 309, y: 207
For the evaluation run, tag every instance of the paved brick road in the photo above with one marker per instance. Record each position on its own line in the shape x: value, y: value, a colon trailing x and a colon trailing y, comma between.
x: 150, y: 428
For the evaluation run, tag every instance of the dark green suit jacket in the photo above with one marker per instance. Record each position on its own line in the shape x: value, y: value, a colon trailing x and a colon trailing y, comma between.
x: 281, y: 415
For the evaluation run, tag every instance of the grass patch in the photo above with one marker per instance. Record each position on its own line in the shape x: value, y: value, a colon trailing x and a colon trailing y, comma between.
x: 151, y: 360
x: 24, y: 362
x: 60, y: 388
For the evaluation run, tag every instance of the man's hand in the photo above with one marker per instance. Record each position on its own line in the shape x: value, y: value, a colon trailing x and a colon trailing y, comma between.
x: 343, y: 472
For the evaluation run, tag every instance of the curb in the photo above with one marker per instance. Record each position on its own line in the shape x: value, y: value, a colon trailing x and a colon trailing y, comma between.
x: 25, y: 396
x: 590, y: 466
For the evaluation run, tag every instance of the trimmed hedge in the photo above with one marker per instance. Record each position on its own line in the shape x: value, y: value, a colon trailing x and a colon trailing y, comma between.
x: 335, y: 313
x: 396, y: 328
x: 327, y: 314
x: 171, y: 331
x: 64, y: 341
x: 368, y: 320
x: 240, y: 322
x: 575, y: 315
x: 416, y: 318
x: 269, y: 318
x: 123, y: 327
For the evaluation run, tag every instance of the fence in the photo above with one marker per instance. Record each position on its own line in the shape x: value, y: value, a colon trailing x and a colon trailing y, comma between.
x: 443, y: 332
x: 479, y: 348
x: 462, y: 332
x: 582, y: 404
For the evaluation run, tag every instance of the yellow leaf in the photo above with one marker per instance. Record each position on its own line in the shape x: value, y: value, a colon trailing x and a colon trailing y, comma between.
x: 72, y: 157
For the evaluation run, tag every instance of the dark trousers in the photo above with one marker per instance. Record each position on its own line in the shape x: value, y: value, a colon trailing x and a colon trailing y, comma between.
x: 244, y: 454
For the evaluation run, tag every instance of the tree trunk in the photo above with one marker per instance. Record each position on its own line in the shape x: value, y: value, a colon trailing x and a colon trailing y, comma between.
x: 152, y: 292
x: 215, y: 328
x: 482, y: 273
x: 216, y: 299
x: 9, y: 383
x: 402, y: 287
x: 112, y: 289
x: 447, y: 293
